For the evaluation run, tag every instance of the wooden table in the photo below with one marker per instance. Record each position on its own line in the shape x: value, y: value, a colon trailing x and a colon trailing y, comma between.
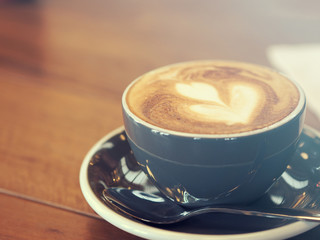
x: 63, y: 67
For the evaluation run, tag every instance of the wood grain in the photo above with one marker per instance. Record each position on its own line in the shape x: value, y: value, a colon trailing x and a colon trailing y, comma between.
x: 21, y: 220
x: 65, y: 64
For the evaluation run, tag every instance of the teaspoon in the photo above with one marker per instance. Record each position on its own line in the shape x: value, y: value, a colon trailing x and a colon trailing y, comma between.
x: 161, y: 210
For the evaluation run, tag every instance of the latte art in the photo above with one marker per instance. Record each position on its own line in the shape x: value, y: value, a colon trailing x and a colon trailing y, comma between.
x: 243, y: 102
x: 212, y: 97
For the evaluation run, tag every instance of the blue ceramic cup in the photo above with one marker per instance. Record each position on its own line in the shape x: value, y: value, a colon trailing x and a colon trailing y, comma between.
x: 199, y: 170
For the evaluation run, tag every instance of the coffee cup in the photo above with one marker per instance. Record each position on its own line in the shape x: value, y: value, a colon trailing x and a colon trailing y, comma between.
x: 213, y: 132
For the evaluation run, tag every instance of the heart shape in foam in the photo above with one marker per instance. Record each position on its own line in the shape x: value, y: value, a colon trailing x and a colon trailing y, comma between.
x: 243, y: 102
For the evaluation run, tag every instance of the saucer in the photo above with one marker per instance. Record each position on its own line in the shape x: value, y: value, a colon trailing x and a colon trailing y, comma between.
x: 110, y: 163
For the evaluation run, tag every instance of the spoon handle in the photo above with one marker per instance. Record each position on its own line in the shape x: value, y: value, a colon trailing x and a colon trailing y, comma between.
x: 283, y: 213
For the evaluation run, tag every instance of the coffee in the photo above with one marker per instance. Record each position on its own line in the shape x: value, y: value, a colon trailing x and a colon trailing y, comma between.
x: 212, y: 97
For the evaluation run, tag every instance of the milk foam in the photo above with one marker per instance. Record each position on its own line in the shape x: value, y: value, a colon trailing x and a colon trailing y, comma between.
x: 212, y: 97
x: 199, y: 91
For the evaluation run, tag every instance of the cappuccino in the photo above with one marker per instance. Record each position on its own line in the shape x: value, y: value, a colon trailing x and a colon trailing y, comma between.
x: 212, y: 97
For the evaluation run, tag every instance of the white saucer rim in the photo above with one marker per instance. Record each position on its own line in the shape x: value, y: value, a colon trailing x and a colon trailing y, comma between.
x: 148, y: 232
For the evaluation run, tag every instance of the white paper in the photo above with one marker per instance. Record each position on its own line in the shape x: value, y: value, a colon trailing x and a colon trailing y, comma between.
x: 302, y: 63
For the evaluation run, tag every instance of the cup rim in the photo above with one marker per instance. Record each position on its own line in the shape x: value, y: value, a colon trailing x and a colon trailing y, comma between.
x: 299, y: 108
